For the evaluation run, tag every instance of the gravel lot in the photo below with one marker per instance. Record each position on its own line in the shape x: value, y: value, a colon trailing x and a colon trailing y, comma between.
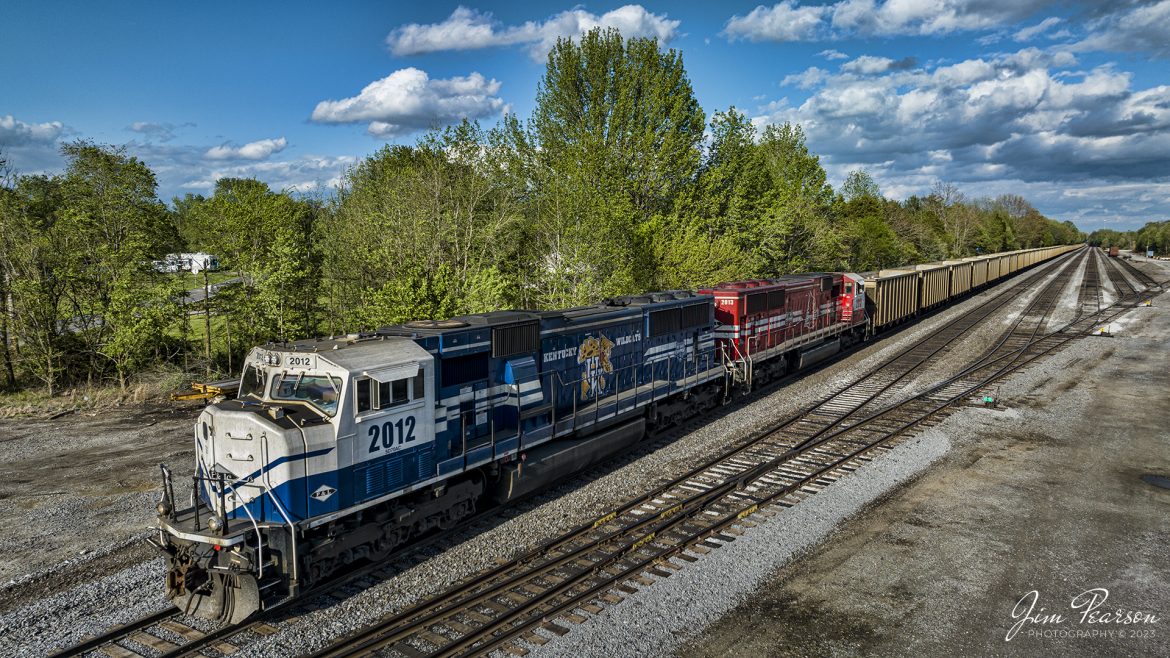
x: 88, y: 595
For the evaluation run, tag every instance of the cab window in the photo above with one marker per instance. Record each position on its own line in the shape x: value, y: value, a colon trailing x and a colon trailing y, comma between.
x: 252, y: 383
x: 319, y: 391
x: 365, y: 395
x: 400, y: 391
x: 392, y: 394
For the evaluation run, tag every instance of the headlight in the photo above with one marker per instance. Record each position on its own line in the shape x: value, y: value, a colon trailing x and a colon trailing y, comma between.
x: 214, y: 523
x: 164, y: 508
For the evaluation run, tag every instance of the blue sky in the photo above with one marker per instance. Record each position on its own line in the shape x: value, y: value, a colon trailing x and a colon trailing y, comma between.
x: 1066, y: 104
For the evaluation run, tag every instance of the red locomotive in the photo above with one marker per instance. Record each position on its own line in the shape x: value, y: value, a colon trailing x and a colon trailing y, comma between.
x: 798, y: 316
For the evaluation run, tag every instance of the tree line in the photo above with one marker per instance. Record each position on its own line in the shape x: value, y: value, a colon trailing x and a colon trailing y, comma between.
x: 618, y: 183
x: 1154, y: 235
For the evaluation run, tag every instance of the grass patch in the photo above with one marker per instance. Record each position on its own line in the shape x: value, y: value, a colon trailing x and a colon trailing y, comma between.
x: 150, y: 386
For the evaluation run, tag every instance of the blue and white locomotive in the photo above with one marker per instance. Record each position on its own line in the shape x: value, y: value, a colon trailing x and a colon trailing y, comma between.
x: 341, y: 450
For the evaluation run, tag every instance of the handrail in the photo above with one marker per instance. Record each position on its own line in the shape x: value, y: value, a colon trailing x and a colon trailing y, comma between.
x: 292, y: 532
x: 255, y: 526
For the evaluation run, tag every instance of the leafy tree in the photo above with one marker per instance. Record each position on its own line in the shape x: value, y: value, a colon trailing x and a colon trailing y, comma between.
x: 616, y: 136
x: 32, y: 249
x: 424, y: 231
x: 729, y: 195
x: 267, y: 239
x: 859, y: 185
x: 114, y: 226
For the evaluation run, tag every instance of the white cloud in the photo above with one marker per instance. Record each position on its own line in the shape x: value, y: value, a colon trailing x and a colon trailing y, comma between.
x: 14, y: 132
x: 1029, y: 33
x: 789, y: 21
x: 258, y: 150
x: 806, y: 79
x: 469, y: 29
x: 408, y: 100
x: 832, y: 54
x: 302, y: 174
x: 870, y: 65
x: 784, y: 21
x: 1024, y: 117
x: 1142, y: 28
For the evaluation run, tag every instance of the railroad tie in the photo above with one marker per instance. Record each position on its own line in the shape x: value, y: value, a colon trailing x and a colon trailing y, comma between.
x: 119, y: 651
x: 156, y: 643
x: 477, y: 617
x: 407, y: 650
x: 434, y: 638
x: 515, y: 597
x: 457, y: 626
x: 574, y: 617
x: 182, y: 630
x: 265, y: 629
x: 555, y: 628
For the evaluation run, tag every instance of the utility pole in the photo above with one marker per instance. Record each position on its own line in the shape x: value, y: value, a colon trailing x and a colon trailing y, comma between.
x: 207, y: 320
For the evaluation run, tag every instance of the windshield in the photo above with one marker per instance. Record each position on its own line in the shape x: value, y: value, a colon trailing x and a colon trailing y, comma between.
x: 252, y: 383
x: 318, y: 390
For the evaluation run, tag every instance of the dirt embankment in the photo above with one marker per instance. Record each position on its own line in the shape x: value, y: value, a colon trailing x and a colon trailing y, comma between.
x: 78, y: 492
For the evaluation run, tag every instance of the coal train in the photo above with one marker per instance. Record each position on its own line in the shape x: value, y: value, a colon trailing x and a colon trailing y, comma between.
x: 344, y: 449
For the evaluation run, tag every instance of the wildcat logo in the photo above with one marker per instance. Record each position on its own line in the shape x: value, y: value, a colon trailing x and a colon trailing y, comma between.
x: 593, y: 355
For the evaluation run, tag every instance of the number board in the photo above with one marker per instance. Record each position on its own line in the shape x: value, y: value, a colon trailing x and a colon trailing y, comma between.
x: 386, y: 435
x: 308, y: 361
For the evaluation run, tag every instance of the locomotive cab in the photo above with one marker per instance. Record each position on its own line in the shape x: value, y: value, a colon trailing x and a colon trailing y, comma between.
x: 851, y: 302
x: 298, y: 444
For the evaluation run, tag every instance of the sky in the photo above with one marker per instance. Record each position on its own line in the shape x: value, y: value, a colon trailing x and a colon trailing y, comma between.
x: 1064, y: 103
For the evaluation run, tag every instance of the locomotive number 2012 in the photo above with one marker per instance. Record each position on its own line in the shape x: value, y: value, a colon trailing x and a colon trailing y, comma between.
x: 391, y: 433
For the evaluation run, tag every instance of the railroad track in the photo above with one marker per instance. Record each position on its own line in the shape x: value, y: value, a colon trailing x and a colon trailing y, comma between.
x: 1142, y: 277
x: 169, y: 634
x: 589, y: 568
x: 1089, y: 299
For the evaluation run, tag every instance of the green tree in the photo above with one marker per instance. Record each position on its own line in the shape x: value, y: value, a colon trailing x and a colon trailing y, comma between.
x: 795, y: 232
x: 267, y: 239
x: 859, y: 185
x: 114, y: 226
x: 428, y: 230
x: 729, y: 194
x: 614, y: 139
x: 32, y: 251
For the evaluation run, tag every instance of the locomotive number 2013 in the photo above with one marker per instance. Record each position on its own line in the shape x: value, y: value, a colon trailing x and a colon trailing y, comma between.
x: 391, y: 433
